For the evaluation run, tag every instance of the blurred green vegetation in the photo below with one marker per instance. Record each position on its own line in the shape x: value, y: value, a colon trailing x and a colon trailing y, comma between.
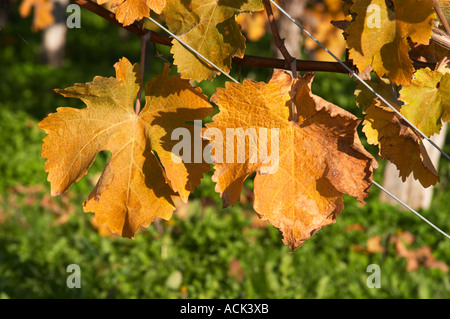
x: 189, y: 256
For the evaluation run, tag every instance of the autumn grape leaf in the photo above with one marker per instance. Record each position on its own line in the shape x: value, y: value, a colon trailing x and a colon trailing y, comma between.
x: 398, y: 143
x: 318, y: 21
x: 253, y: 24
x: 365, y: 98
x: 320, y: 155
x: 140, y: 178
x: 378, y: 37
x: 129, y: 11
x: 427, y: 100
x: 43, y: 16
x: 209, y: 27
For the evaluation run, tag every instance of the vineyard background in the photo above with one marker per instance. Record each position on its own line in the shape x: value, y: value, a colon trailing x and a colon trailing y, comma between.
x: 203, y: 251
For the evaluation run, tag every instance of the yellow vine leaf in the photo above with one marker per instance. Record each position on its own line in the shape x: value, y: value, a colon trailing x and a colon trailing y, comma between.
x: 253, y: 24
x: 43, y: 16
x: 318, y: 21
x: 129, y: 11
x: 398, y: 143
x: 320, y: 155
x: 427, y: 100
x: 378, y: 35
x: 209, y: 27
x: 365, y: 98
x: 140, y: 179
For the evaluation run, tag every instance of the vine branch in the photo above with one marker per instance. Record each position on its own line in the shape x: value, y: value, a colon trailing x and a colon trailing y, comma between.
x: 249, y: 60
x: 441, y: 16
x: 441, y: 37
x: 279, y: 42
x: 111, y: 17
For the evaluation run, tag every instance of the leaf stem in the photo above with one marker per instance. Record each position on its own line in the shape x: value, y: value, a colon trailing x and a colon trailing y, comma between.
x: 443, y: 62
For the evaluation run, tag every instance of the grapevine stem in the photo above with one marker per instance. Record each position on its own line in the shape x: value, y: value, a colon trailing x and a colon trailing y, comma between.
x: 441, y: 16
x: 290, y: 61
x: 279, y: 42
x: 447, y: 30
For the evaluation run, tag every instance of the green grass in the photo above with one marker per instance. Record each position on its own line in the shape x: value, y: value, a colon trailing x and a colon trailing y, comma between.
x: 35, y: 252
x: 188, y: 257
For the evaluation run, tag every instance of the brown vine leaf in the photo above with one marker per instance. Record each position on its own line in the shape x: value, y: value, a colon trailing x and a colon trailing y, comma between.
x: 384, y: 45
x: 235, y: 270
x: 43, y: 16
x: 374, y: 246
x: 431, y: 53
x: 320, y: 155
x: 427, y: 100
x: 415, y: 258
x: 209, y: 27
x: 140, y: 178
x: 355, y: 226
x: 398, y: 143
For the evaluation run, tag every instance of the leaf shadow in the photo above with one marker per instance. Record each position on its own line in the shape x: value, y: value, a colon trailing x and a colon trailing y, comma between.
x: 182, y: 119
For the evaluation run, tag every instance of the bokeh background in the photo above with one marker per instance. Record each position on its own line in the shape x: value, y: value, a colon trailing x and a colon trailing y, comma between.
x: 204, y: 251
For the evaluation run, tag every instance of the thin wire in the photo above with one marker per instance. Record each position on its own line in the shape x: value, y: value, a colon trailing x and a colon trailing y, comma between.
x: 234, y: 80
x: 409, y: 208
x: 359, y: 79
x: 192, y: 49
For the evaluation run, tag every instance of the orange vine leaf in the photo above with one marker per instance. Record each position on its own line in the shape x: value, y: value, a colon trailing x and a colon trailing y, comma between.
x: 43, y: 16
x: 141, y: 178
x: 128, y: 11
x: 320, y: 156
